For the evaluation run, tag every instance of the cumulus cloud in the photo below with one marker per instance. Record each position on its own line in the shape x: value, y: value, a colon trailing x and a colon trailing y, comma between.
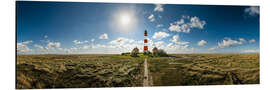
x: 179, y: 28
x: 151, y: 18
x: 53, y: 45
x: 170, y: 45
x: 68, y: 50
x: 121, y: 41
x: 213, y: 48
x: 242, y: 41
x: 160, y: 35
x: 159, y: 25
x: 103, y: 36
x: 39, y: 48
x: 158, y: 44
x: 122, y: 44
x: 92, y: 40
x: 71, y: 49
x: 253, y: 10
x: 22, y: 47
x: 85, y: 47
x: 174, y: 48
x: 27, y: 42
x: 177, y: 40
x: 159, y: 8
x: 45, y: 39
x: 228, y: 42
x: 252, y: 41
x: 76, y: 42
x: 195, y: 22
x: 201, y: 43
x: 181, y: 21
x: 182, y: 26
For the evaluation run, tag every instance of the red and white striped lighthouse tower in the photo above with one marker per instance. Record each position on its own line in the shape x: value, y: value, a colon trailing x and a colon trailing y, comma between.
x: 145, y: 48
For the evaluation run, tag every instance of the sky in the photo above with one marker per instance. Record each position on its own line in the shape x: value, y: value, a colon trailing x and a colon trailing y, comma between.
x: 112, y: 28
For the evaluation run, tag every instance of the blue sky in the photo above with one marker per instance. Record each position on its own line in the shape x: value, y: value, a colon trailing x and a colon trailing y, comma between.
x: 80, y: 27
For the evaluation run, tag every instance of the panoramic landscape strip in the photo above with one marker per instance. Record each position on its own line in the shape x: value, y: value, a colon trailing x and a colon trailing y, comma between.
x: 93, y: 45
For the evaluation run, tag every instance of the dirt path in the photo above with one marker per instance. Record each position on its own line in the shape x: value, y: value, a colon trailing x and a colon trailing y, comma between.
x: 146, y: 74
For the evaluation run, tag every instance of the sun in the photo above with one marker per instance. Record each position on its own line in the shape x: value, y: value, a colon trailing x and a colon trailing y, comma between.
x: 125, y: 19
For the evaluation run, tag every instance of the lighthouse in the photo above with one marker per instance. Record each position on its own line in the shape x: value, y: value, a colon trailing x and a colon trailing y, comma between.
x: 145, y: 47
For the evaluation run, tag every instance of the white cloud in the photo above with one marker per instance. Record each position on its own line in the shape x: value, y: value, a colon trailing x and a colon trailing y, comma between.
x: 160, y: 35
x: 53, y: 46
x: 179, y: 28
x: 195, y: 22
x: 72, y: 49
x: 27, y: 42
x: 121, y: 41
x: 253, y: 10
x: 92, y: 40
x: 242, y: 41
x: 228, y: 42
x: 103, y: 36
x: 150, y: 41
x: 252, y: 41
x: 76, y: 42
x: 181, y: 21
x: 122, y: 44
x: 213, y: 48
x: 151, y: 18
x: 131, y: 41
x: 159, y: 8
x: 39, y: 48
x: 174, y: 48
x: 201, y: 43
x: 159, y: 25
x: 170, y: 45
x: 66, y: 50
x: 23, y: 47
x: 86, y: 47
x: 45, y: 39
x: 177, y: 40
x: 159, y: 44
x: 182, y: 26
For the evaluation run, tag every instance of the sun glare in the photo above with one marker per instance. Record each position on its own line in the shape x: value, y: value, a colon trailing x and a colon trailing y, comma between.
x: 125, y: 19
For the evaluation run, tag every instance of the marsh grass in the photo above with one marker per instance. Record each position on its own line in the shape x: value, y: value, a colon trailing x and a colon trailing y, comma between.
x: 78, y: 71
x: 86, y: 71
x: 205, y: 69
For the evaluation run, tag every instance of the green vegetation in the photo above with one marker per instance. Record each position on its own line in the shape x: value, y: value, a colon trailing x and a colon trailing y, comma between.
x: 78, y: 71
x: 134, y: 52
x: 205, y: 69
x: 159, y: 53
x: 84, y: 71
